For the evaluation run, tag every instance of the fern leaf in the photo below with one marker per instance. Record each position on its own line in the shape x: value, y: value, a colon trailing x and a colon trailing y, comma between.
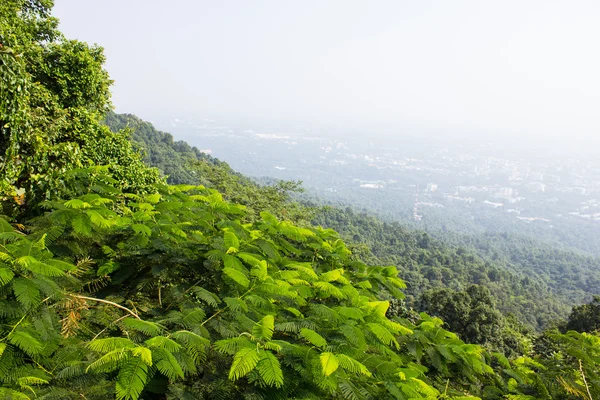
x: 141, y: 229
x: 331, y: 276
x: 81, y: 225
x: 328, y: 289
x: 244, y: 361
x: 195, y: 344
x: 329, y: 363
x: 26, y: 342
x: 6, y: 275
x: 260, y: 270
x: 313, y: 337
x: 31, y: 380
x: 264, y: 328
x: 206, y: 296
x: 237, y: 276
x: 269, y: 369
x: 77, y: 204
x: 110, y: 344
x: 193, y: 317
x: 98, y: 219
x: 26, y: 291
x: 38, y: 267
x: 148, y: 328
x: 168, y: 365
x: 109, y: 361
x: 304, y: 268
x: 233, y: 345
x: 132, y: 379
x: 7, y: 393
x: 236, y: 304
x: 383, y: 334
x: 231, y: 241
x: 352, y: 365
x: 162, y: 342
x: 144, y: 353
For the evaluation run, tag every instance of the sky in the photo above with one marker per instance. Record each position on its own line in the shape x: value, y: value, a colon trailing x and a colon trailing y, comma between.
x: 515, y: 70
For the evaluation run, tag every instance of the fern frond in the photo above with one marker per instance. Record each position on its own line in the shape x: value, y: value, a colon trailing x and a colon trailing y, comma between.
x: 313, y: 337
x: 237, y: 276
x: 264, y: 328
x: 168, y: 365
x: 207, y: 296
x: 26, y: 342
x: 383, y: 334
x: 109, y: 344
x: 352, y: 365
x: 132, y: 379
x: 244, y: 361
x: 146, y: 327
x: 269, y: 369
x: 233, y: 345
x: 329, y: 363
x: 162, y: 342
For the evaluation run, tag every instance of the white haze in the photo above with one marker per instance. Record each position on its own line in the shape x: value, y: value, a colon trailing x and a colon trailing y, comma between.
x: 516, y: 70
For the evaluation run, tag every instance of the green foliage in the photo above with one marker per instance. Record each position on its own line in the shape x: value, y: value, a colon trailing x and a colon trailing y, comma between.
x: 530, y: 280
x: 124, y: 287
x: 54, y: 93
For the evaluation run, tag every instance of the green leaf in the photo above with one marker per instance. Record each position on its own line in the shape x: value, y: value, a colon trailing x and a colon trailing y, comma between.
x: 81, y: 225
x: 233, y: 345
x: 237, y: 276
x: 109, y: 344
x: 132, y: 379
x: 352, y: 365
x: 329, y: 290
x: 6, y: 275
x: 231, y: 241
x: 264, y: 328
x: 244, y: 361
x: 269, y: 369
x: 162, y: 342
x: 168, y: 365
x: 332, y: 275
x: 329, y: 363
x: 26, y: 342
x: 141, y: 229
x: 144, y: 353
x: 208, y: 297
x: 77, y: 204
x: 98, y: 219
x: 148, y: 328
x: 383, y: 334
x: 313, y: 337
x: 27, y: 292
x: 236, y: 304
x: 38, y: 267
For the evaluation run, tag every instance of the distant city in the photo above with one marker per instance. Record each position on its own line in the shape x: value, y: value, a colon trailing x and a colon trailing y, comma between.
x: 415, y: 181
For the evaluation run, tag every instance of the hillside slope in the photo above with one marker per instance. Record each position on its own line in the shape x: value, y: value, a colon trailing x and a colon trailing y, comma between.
x: 530, y: 280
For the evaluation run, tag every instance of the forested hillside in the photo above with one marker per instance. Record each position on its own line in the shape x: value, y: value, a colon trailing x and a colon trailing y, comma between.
x: 116, y: 284
x: 535, y: 282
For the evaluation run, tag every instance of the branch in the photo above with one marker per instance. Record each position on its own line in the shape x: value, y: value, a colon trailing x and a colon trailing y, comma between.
x: 108, y: 302
x: 584, y: 381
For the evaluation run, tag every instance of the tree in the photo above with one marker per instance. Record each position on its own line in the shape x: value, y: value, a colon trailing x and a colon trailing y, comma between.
x: 585, y: 317
x: 55, y: 93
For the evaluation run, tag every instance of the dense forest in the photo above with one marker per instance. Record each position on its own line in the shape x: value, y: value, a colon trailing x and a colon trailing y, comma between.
x: 116, y: 281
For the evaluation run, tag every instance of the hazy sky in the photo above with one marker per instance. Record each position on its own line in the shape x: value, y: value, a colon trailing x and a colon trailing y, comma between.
x: 504, y: 68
